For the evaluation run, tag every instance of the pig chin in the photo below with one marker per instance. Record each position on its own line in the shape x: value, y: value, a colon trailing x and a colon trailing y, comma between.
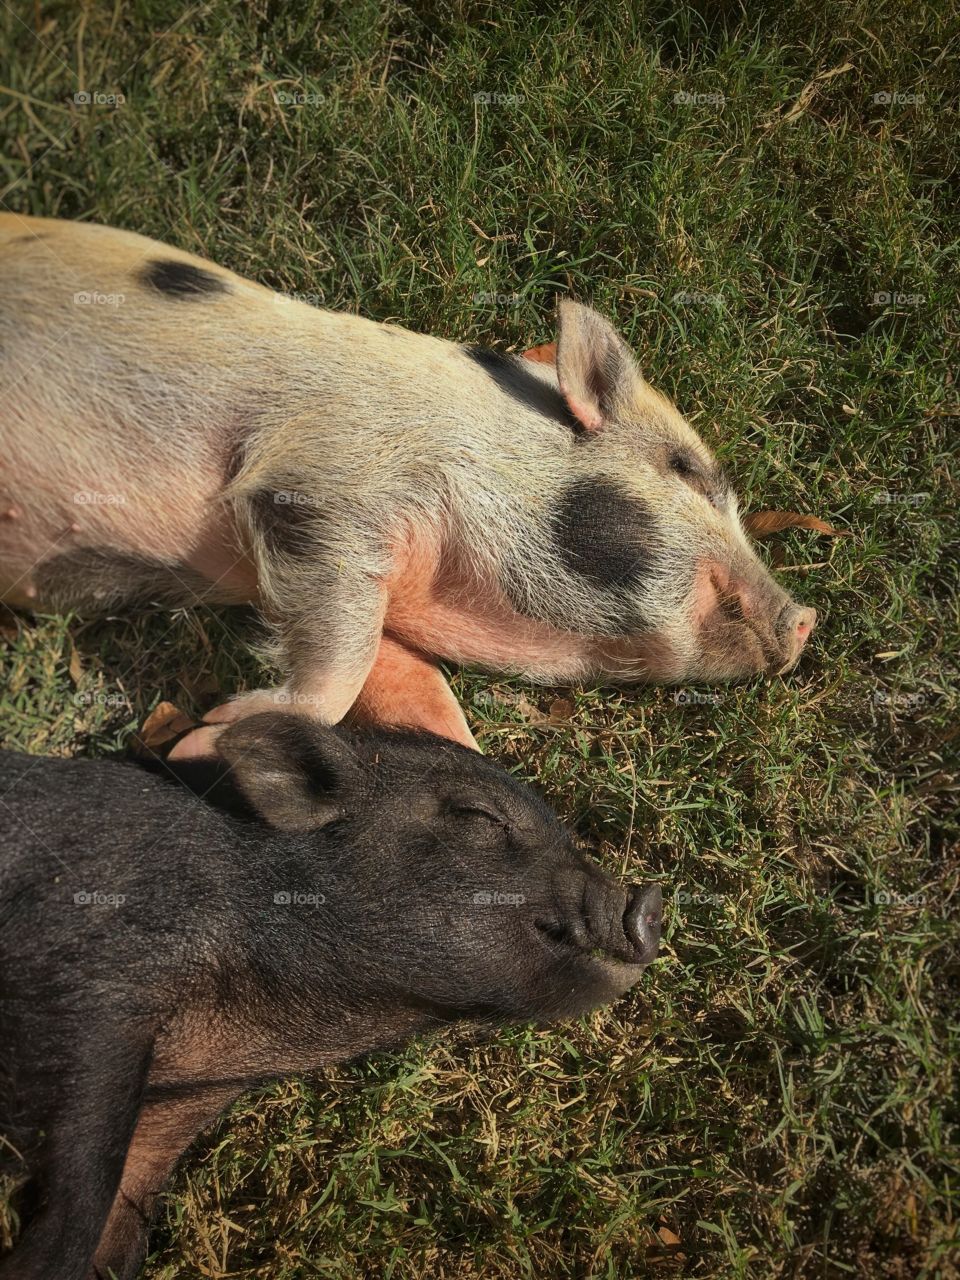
x: 735, y: 650
x: 719, y: 650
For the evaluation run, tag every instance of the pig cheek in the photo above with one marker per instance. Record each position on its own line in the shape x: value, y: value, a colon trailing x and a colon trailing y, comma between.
x: 726, y: 650
x: 710, y: 580
x: 650, y: 657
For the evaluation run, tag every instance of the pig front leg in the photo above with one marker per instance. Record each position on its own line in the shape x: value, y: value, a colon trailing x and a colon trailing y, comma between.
x: 406, y: 689
x: 328, y: 650
x: 166, y: 1127
x: 89, y: 1126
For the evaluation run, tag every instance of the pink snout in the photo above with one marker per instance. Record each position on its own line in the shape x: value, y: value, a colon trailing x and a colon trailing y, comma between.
x: 746, y: 624
x: 795, y: 626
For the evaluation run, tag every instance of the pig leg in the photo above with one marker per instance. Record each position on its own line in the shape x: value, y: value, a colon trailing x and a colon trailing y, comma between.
x: 166, y: 1127
x: 404, y: 688
x: 329, y: 656
x: 90, y: 1127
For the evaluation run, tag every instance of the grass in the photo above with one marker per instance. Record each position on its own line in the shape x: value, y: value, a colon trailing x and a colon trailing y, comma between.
x: 779, y: 245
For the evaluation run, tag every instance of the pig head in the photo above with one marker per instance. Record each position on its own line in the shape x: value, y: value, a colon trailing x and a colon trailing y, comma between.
x: 649, y: 523
x: 161, y: 953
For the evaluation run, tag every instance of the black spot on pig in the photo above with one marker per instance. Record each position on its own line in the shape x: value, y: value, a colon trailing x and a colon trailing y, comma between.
x: 181, y: 279
x: 514, y: 376
x: 286, y: 520
x: 604, y: 534
x: 94, y: 579
x: 493, y: 361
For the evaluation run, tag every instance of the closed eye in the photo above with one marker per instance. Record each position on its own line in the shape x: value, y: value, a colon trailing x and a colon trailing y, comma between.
x: 474, y: 812
x: 689, y: 470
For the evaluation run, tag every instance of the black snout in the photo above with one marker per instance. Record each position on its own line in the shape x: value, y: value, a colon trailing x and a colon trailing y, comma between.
x: 615, y: 921
x: 641, y: 921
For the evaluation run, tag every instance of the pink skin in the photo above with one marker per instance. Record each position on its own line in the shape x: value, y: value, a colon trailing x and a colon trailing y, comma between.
x: 404, y: 686
x: 720, y: 592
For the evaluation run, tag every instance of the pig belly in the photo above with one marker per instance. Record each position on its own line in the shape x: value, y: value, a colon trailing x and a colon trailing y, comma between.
x: 83, y: 535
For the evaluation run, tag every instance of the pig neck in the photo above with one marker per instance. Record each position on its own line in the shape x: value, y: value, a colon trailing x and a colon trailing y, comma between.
x: 321, y: 977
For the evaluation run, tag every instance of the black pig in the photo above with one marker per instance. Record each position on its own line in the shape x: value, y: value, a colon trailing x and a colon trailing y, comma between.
x: 159, y: 955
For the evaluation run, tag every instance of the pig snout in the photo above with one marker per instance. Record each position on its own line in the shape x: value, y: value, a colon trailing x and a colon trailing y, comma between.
x: 613, y: 922
x: 794, y: 628
x: 642, y: 921
x: 746, y: 624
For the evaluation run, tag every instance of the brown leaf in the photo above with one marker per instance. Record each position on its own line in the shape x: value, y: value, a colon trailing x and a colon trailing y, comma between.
x: 164, y: 723
x: 546, y: 354
x: 667, y: 1236
x: 200, y: 687
x: 532, y: 715
x: 762, y: 523
x: 75, y: 666
x: 561, y: 710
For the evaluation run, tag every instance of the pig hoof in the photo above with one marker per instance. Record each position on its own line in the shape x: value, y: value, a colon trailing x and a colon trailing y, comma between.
x: 246, y: 704
x: 198, y: 744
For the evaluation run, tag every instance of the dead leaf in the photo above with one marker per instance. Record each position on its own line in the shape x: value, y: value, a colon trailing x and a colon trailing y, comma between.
x: 762, y: 523
x: 75, y: 666
x: 836, y: 71
x: 667, y: 1236
x: 546, y: 354
x: 532, y: 715
x: 164, y: 723
x: 809, y: 90
x: 200, y: 687
x: 561, y: 710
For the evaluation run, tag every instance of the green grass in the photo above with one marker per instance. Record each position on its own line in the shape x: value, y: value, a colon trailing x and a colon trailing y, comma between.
x: 778, y: 1097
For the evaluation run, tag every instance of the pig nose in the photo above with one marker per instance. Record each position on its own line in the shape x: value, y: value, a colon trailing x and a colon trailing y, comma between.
x: 795, y: 627
x: 641, y: 921
x: 803, y: 624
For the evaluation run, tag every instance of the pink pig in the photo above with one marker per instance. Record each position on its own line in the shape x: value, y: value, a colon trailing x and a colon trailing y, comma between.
x: 173, y: 432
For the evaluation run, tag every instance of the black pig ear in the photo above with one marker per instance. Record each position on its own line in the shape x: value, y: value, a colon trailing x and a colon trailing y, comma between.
x: 595, y: 367
x: 298, y: 774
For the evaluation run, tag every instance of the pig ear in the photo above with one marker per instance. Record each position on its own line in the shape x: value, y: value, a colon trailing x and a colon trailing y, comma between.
x: 298, y: 774
x: 595, y: 367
